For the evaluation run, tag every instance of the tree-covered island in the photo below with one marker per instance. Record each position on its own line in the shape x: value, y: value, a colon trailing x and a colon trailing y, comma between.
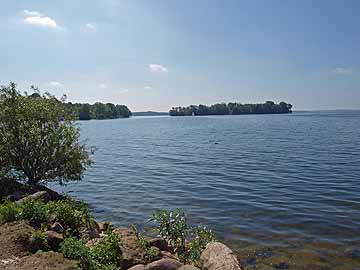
x: 232, y: 108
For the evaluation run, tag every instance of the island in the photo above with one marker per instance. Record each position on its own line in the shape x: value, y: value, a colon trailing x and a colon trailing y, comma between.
x: 232, y: 108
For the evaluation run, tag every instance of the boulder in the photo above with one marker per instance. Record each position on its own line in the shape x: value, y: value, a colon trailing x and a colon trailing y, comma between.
x: 132, y: 253
x: 188, y: 267
x: 161, y: 244
x: 167, y: 254
x: 54, y: 239
x: 138, y: 267
x: 103, y: 226
x: 218, y: 256
x: 40, y: 195
x: 164, y: 264
x: 57, y: 227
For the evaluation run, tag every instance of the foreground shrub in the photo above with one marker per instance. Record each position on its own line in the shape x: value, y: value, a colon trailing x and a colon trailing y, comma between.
x: 105, y: 255
x: 39, y: 241
x: 173, y: 227
x: 36, y: 211
x: 107, y: 252
x: 72, y: 215
x: 9, y: 212
x: 201, y: 237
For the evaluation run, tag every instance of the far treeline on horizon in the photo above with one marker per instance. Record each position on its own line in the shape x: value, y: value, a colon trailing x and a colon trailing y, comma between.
x: 100, y: 111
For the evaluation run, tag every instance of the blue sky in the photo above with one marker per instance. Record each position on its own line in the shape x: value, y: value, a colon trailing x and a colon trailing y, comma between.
x: 152, y: 55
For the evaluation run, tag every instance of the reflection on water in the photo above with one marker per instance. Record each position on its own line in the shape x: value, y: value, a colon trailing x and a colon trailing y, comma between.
x: 281, y: 189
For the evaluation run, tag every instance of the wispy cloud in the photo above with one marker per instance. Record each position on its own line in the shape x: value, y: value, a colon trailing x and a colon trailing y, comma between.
x: 32, y: 13
x: 36, y: 18
x: 123, y: 91
x: 56, y: 84
x: 342, y: 71
x: 90, y: 27
x: 103, y: 85
x: 148, y: 87
x: 158, y: 68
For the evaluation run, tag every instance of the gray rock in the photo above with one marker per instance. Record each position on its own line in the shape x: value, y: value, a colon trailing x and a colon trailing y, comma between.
x: 54, y: 239
x: 40, y: 195
x: 138, y: 267
x: 132, y: 253
x: 166, y: 254
x: 218, y: 256
x: 164, y: 264
x: 160, y: 243
x: 188, y: 267
x: 57, y: 227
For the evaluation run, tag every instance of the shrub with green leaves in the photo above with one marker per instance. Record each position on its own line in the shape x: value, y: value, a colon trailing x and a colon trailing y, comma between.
x: 36, y: 211
x: 9, y: 212
x: 201, y: 237
x: 172, y: 226
x: 107, y: 252
x: 39, y: 241
x: 72, y: 215
x: 75, y: 249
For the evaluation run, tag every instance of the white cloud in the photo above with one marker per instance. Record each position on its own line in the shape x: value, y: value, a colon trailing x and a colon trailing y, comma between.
x: 148, y: 87
x: 123, y: 91
x: 157, y: 68
x: 36, y: 18
x: 342, y: 71
x: 90, y: 27
x: 56, y: 84
x: 102, y: 86
x: 32, y: 13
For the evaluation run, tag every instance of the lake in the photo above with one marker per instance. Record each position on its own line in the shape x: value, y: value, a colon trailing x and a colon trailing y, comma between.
x: 274, y: 187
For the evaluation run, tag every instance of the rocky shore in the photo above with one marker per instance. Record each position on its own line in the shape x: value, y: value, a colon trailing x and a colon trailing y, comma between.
x: 17, y: 249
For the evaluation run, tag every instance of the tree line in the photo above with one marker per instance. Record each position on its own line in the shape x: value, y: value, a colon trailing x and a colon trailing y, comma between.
x: 232, y: 108
x: 85, y: 111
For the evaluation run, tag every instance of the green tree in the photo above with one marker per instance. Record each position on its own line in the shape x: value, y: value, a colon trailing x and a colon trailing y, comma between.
x: 39, y: 142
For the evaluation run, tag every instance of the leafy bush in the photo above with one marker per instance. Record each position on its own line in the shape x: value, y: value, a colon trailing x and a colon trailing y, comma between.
x: 39, y: 241
x: 75, y: 249
x: 72, y: 215
x: 9, y: 212
x: 36, y: 211
x: 172, y: 226
x: 107, y: 252
x: 201, y: 237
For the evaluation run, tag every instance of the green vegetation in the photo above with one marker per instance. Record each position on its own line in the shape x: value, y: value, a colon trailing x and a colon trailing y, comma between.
x: 39, y: 142
x: 85, y: 111
x: 9, y: 212
x: 39, y: 241
x: 36, y: 211
x: 269, y: 107
x: 72, y: 215
x: 103, y: 255
x: 173, y: 227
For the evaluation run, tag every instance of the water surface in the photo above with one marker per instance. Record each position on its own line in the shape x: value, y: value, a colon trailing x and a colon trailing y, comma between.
x: 281, y: 183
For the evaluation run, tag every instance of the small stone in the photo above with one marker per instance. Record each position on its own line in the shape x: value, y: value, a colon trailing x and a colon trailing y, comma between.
x: 160, y: 243
x: 54, y: 239
x: 57, y: 227
x: 282, y: 265
x: 164, y: 264
x: 138, y: 267
x: 188, y: 267
x: 166, y: 254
